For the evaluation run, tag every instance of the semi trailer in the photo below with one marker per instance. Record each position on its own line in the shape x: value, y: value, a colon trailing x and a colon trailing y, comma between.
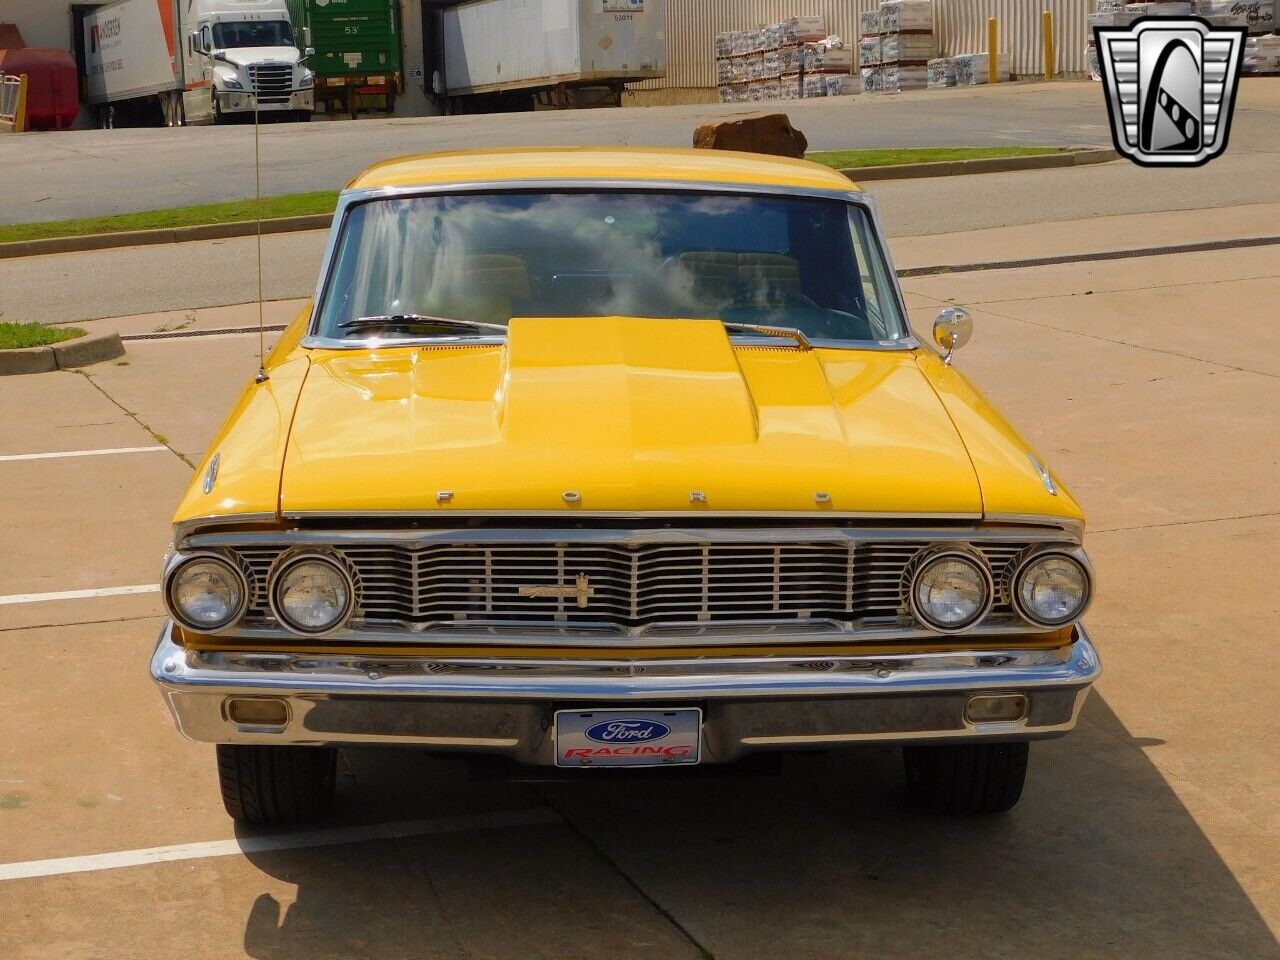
x: 357, y: 58
x: 193, y: 61
x: 515, y: 54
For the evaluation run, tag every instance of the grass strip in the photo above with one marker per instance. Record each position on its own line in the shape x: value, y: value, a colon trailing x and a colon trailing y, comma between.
x: 17, y: 335
x: 307, y: 204
x: 847, y: 159
x: 237, y: 211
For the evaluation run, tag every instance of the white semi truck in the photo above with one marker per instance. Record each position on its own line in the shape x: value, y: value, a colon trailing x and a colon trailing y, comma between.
x: 194, y: 61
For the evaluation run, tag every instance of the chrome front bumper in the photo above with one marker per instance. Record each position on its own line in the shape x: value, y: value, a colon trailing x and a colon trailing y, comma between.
x: 506, y: 706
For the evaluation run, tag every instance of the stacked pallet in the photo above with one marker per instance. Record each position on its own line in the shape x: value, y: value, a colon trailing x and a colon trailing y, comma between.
x: 1256, y: 16
x: 782, y: 61
x: 896, y: 46
x: 1262, y: 55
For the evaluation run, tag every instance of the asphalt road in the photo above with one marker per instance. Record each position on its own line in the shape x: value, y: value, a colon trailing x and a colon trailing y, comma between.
x: 86, y: 173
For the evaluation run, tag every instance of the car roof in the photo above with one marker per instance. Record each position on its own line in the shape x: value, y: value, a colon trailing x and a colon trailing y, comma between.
x: 600, y: 163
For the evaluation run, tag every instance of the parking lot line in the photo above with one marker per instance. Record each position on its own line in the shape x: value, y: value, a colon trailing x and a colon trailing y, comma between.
x: 286, y: 841
x: 79, y: 453
x: 78, y: 594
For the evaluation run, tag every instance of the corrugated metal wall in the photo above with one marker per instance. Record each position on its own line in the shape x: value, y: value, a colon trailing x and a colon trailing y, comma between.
x: 961, y: 26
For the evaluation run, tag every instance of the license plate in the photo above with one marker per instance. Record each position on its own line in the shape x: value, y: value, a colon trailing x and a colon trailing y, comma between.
x: 627, y: 738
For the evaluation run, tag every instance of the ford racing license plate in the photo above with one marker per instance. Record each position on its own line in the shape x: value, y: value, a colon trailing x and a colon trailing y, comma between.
x: 627, y: 738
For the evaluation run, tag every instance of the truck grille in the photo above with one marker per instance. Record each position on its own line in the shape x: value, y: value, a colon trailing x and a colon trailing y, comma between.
x: 273, y: 82
x: 402, y: 587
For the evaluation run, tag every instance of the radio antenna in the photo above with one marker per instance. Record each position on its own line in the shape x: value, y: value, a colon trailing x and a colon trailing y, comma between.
x: 257, y: 209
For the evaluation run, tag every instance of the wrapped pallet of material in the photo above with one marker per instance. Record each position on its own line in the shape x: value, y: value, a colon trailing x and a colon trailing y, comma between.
x: 940, y: 72
x: 790, y: 60
x: 724, y: 44
x: 809, y: 29
x: 869, y: 23
x: 872, y: 80
x: 1262, y: 55
x: 772, y: 64
x: 908, y: 48
x: 772, y: 90
x: 906, y: 16
x: 903, y: 77
x: 725, y: 90
x: 724, y: 71
x: 819, y: 58
x: 868, y: 52
x: 1113, y: 18
x: 755, y: 67
x: 789, y: 87
x: 838, y: 84
x: 971, y: 68
x: 1109, y: 6
x: 1257, y: 16
x: 1161, y: 8
x: 1091, y: 63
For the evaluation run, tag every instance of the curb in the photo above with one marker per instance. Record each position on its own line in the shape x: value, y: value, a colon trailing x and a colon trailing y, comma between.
x: 80, y: 352
x: 955, y: 168
x: 139, y: 238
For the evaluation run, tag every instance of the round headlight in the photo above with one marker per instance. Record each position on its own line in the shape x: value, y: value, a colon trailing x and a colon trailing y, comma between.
x: 1051, y: 589
x: 312, y: 595
x: 951, y: 592
x: 207, y: 593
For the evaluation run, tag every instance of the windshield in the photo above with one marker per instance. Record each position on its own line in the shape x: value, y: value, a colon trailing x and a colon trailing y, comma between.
x: 252, y: 33
x: 806, y: 263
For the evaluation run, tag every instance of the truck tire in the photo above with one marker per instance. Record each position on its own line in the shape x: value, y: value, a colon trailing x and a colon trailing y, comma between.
x: 969, y: 778
x: 273, y: 785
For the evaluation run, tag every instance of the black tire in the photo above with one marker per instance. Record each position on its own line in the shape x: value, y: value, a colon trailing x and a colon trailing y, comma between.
x: 978, y: 778
x: 272, y: 785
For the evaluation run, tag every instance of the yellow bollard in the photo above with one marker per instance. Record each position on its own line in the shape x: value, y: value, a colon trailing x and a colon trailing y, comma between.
x: 993, y: 35
x: 1046, y: 20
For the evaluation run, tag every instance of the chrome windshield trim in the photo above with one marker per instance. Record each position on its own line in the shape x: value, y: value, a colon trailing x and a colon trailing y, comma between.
x: 350, y: 198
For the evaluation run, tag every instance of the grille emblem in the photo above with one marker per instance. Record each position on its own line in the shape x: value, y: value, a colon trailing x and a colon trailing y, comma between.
x: 581, y: 591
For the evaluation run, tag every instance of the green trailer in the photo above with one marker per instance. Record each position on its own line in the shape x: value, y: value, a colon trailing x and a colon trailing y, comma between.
x: 357, y: 59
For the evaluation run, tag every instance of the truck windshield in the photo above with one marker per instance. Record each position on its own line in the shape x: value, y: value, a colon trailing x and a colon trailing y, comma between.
x: 252, y: 33
x: 810, y: 264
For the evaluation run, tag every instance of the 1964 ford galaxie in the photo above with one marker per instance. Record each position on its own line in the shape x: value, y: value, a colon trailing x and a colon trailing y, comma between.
x: 604, y: 458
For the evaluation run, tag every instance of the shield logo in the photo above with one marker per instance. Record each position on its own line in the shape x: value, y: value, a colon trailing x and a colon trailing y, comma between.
x: 1170, y: 84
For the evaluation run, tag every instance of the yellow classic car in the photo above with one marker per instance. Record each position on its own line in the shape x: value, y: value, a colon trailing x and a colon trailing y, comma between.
x: 597, y: 458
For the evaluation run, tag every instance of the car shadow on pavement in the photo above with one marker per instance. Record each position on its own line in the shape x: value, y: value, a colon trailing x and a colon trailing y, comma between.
x: 814, y: 858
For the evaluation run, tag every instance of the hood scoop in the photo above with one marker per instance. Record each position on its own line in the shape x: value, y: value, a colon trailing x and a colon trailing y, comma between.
x: 623, y: 380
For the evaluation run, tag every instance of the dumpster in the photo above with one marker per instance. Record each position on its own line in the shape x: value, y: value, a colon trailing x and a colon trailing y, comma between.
x: 53, y: 94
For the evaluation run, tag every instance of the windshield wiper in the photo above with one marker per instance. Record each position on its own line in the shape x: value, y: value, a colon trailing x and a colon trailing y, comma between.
x: 790, y: 333
x: 383, y: 321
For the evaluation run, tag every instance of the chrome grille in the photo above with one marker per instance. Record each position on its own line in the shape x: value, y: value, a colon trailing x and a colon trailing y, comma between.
x: 273, y: 82
x: 418, y: 587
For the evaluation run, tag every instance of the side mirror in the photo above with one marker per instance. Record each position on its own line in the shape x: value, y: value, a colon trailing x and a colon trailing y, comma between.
x: 308, y: 53
x: 220, y: 56
x: 306, y: 39
x: 952, y: 330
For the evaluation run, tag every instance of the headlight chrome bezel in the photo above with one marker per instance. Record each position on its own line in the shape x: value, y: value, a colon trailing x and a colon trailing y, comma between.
x: 287, y: 562
x: 963, y: 553
x: 1019, y: 568
x: 182, y: 561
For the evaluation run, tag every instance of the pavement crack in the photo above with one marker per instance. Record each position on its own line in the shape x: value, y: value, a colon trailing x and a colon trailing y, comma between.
x: 685, y: 932
x: 159, y: 438
x: 1187, y: 523
x: 78, y: 623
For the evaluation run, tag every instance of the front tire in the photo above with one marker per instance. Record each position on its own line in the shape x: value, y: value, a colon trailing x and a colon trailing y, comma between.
x: 970, y: 778
x: 276, y: 785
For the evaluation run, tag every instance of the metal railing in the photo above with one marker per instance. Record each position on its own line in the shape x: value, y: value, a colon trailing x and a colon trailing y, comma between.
x: 13, y: 103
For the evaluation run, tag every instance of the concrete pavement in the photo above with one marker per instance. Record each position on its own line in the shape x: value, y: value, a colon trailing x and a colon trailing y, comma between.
x: 1151, y: 833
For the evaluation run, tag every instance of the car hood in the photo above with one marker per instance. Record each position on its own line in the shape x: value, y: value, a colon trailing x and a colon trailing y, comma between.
x: 627, y: 415
x: 247, y: 56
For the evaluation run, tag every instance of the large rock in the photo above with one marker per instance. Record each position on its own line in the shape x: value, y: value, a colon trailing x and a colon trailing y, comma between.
x: 770, y: 133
